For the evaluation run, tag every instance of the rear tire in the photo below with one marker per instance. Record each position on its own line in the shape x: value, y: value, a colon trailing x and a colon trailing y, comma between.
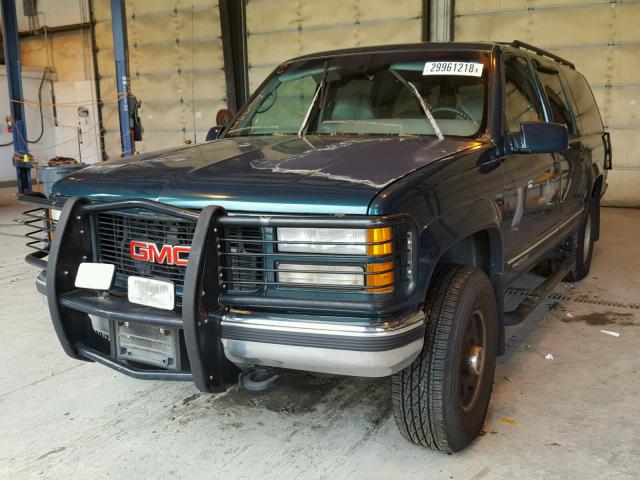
x: 440, y: 401
x: 580, y: 245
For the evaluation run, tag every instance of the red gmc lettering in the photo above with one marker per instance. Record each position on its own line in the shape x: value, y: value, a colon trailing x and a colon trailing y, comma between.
x: 139, y: 250
x: 168, y: 254
x: 164, y: 255
x: 179, y: 250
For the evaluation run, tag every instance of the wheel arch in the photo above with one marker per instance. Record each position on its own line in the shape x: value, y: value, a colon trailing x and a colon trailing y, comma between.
x: 479, y: 247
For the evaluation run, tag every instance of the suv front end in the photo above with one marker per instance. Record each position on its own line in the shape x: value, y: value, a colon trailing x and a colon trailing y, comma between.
x: 328, y: 294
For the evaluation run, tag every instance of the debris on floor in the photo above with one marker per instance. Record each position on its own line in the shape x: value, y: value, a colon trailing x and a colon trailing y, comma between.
x: 626, y: 319
x: 609, y: 332
x: 548, y: 356
x: 510, y: 421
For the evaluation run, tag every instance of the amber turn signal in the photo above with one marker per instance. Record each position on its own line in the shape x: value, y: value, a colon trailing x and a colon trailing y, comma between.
x: 380, y: 240
x: 380, y: 278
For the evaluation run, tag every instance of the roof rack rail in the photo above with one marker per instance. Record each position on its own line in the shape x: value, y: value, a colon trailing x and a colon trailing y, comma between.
x: 540, y: 51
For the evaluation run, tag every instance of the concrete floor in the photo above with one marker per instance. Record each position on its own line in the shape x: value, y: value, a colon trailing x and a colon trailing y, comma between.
x: 575, y: 416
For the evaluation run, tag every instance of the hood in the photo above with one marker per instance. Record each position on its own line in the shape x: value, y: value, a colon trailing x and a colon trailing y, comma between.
x: 270, y: 174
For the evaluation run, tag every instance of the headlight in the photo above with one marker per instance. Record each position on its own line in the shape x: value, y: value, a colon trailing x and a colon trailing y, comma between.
x: 53, y: 215
x: 341, y: 241
x: 372, y: 277
x: 296, y: 273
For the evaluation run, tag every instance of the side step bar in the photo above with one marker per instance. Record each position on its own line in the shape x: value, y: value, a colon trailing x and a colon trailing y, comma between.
x: 532, y: 301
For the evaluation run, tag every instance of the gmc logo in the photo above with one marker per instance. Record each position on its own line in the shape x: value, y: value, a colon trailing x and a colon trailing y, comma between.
x: 169, y: 254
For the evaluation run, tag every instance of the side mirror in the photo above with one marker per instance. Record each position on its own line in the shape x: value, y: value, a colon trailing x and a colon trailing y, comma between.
x: 538, y: 137
x: 214, y: 133
x: 223, y: 120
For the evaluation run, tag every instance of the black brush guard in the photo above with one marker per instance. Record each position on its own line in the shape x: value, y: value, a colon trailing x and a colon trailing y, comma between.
x: 204, y: 299
x: 73, y: 243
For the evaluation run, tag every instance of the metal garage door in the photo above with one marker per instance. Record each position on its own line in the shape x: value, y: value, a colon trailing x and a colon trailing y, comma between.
x: 602, y: 38
x: 281, y: 29
x: 176, y: 68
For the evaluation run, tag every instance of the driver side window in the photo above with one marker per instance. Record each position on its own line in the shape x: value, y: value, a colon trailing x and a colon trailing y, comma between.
x: 522, y: 103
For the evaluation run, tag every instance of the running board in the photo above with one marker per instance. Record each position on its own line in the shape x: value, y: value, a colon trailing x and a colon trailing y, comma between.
x: 537, y: 296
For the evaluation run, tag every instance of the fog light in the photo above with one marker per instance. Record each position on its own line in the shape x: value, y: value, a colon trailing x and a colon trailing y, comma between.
x: 151, y: 292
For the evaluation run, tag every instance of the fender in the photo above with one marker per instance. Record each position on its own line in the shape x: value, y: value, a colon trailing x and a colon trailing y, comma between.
x: 454, y: 226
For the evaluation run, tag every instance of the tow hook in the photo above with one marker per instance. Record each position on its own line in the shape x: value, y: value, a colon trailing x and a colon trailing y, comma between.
x: 258, y: 379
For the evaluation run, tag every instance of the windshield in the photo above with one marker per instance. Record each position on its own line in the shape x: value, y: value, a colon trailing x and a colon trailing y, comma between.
x: 372, y: 95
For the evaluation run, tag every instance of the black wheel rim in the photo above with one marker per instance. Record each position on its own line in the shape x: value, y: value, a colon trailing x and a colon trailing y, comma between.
x: 472, y: 360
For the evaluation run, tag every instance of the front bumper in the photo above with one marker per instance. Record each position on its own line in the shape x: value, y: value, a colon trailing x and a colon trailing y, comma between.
x: 299, y: 342
x: 360, y: 339
x: 311, y: 345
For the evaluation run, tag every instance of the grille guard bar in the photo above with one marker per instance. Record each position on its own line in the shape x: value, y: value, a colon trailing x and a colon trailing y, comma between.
x: 380, y: 303
x: 204, y: 300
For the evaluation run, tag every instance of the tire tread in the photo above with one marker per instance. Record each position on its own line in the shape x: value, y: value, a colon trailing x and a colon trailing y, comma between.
x: 418, y: 390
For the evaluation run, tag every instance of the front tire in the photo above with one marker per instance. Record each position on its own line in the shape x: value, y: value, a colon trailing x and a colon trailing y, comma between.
x: 440, y: 401
x: 580, y: 245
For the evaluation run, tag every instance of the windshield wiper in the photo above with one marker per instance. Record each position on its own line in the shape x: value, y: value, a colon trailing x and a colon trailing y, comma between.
x: 305, y: 122
x: 423, y: 104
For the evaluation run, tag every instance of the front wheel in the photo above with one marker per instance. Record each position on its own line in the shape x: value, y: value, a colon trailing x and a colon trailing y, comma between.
x: 580, y: 245
x: 440, y: 401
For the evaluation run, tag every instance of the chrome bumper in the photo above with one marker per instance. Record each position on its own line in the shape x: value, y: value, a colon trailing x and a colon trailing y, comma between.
x: 321, y: 346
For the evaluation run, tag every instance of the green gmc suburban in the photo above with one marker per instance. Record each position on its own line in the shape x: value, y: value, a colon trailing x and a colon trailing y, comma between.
x: 361, y: 215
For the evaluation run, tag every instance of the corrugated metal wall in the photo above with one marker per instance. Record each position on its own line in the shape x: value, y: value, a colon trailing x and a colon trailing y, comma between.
x: 602, y: 38
x: 280, y: 29
x: 176, y: 68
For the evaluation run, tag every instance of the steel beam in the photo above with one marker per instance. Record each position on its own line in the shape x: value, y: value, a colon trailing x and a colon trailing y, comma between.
x: 96, y: 78
x: 10, y: 38
x: 426, y: 20
x: 234, y: 49
x: 120, y: 51
x: 442, y: 13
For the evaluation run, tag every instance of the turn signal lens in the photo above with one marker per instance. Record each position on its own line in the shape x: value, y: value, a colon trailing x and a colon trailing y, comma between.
x: 380, y: 238
x: 380, y: 282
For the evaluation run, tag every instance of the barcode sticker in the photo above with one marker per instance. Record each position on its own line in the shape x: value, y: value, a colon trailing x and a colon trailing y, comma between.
x: 468, y: 69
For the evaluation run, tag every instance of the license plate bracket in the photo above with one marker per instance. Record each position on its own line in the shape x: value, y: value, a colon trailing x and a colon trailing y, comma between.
x: 148, y: 344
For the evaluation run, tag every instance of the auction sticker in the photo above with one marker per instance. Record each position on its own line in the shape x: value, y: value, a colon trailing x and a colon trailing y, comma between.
x: 467, y: 69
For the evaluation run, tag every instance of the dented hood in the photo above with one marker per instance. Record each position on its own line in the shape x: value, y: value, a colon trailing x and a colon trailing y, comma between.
x: 314, y: 174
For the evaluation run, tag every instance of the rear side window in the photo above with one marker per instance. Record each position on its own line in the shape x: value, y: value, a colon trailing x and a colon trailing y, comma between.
x: 558, y: 102
x: 588, y: 115
x: 522, y: 101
